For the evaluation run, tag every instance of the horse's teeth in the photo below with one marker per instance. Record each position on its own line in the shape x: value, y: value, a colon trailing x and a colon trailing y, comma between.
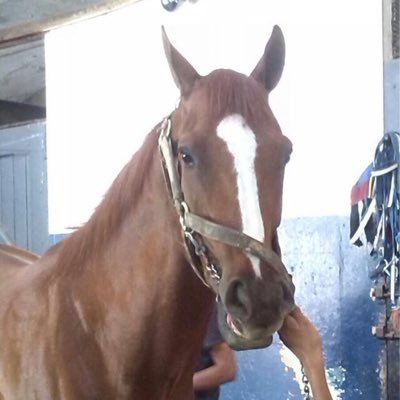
x: 233, y: 327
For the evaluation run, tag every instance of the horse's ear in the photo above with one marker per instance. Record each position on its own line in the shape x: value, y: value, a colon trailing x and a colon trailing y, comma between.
x: 183, y: 73
x: 269, y: 69
x: 275, y: 244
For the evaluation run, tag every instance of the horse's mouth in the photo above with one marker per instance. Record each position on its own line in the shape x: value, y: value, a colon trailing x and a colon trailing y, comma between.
x: 238, y: 336
x: 235, y: 325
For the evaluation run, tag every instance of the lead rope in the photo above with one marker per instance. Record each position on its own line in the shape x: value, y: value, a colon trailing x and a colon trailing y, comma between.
x: 306, y: 387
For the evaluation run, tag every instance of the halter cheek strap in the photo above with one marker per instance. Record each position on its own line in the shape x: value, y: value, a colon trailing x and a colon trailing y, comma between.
x: 195, y: 251
x: 193, y: 224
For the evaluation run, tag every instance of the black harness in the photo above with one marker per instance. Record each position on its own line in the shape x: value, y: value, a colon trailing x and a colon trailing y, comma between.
x: 378, y: 216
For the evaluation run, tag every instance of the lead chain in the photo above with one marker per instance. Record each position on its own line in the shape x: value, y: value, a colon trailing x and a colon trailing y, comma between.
x: 201, y: 252
x: 213, y: 272
x: 306, y: 382
x: 199, y: 249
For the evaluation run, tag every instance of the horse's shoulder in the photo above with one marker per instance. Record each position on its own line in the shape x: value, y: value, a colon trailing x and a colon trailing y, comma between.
x: 16, y: 256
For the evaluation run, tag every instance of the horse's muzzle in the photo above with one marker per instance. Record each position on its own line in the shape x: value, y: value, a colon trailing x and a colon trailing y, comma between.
x: 251, y: 310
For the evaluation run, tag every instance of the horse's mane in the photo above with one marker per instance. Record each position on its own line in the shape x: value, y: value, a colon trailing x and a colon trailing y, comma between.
x: 89, y: 240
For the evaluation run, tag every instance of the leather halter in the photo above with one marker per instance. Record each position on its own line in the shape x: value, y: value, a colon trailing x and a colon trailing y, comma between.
x: 194, y: 224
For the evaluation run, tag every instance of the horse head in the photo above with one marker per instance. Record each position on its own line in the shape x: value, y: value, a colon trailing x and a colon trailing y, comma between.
x: 228, y: 156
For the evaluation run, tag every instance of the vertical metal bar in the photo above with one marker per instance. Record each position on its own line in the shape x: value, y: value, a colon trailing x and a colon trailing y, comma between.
x: 395, y: 24
x: 391, y: 65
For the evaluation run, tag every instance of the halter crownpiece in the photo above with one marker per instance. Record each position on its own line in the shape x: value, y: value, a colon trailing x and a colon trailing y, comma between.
x: 193, y: 224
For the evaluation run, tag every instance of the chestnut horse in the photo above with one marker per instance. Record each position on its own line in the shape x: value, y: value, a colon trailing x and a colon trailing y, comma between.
x: 116, y: 311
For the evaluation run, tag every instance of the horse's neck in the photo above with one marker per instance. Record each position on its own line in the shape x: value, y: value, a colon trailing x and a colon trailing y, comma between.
x: 137, y: 292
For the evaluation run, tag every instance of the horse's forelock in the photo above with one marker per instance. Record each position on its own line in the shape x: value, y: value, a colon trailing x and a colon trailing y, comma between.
x: 228, y: 92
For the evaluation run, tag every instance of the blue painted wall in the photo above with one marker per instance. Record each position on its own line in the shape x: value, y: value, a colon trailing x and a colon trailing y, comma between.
x: 332, y: 287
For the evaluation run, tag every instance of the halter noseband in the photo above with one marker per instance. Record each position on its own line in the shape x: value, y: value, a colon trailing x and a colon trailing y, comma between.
x: 194, y: 224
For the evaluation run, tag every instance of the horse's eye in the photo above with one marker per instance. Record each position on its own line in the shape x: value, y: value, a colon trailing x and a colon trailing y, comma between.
x: 186, y: 157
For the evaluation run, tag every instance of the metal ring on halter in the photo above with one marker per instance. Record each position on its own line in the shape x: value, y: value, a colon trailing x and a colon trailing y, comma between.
x: 184, y: 206
x: 199, y: 249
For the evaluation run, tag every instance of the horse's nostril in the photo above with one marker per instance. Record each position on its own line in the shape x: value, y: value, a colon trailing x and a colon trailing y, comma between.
x: 237, y: 300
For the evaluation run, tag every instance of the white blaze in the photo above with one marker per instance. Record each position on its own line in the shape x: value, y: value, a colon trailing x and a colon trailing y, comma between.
x: 241, y: 143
